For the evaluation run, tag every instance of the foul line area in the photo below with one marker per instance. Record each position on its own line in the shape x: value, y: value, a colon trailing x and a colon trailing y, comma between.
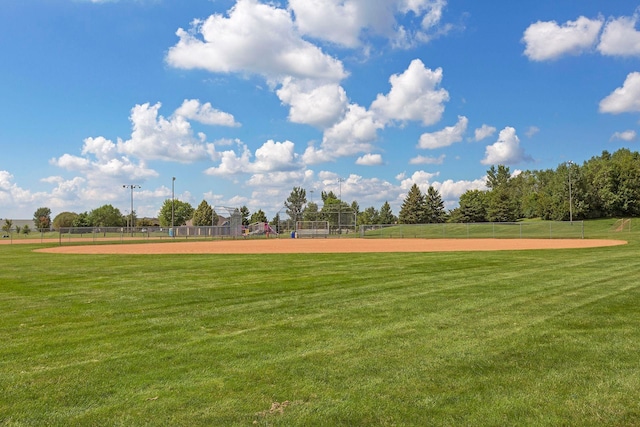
x: 295, y: 246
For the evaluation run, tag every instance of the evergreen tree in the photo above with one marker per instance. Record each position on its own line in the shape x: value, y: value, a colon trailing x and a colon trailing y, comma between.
x: 473, y: 206
x: 412, y: 210
x: 258, y: 216
x: 434, y: 206
x: 244, y: 211
x: 386, y: 215
x: 310, y: 212
x: 295, y: 202
x: 369, y: 216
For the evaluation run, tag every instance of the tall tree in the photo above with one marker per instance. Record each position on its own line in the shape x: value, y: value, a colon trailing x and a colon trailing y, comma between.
x: 412, y: 210
x: 258, y: 216
x: 204, y: 215
x: 64, y: 220
x: 310, y: 212
x: 386, y: 214
x: 434, y: 206
x: 182, y: 213
x: 369, y: 216
x: 502, y: 206
x: 295, y: 202
x: 6, y: 227
x: 106, y: 216
x: 42, y: 219
x: 244, y: 211
x: 498, y: 177
x: 82, y: 220
x: 473, y: 206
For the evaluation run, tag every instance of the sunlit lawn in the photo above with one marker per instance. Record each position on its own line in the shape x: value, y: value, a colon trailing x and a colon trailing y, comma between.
x: 498, y: 338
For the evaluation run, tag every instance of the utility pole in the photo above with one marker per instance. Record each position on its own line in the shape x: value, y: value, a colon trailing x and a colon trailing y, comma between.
x: 570, y: 195
x: 340, y: 205
x: 173, y: 180
x: 131, y: 186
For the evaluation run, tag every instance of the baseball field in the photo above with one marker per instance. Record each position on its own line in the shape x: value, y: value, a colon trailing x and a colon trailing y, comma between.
x: 319, y: 334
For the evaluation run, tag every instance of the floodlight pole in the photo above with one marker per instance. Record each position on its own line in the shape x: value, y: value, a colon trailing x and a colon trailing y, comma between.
x: 131, y: 186
x: 173, y: 180
x: 340, y: 205
x: 570, y: 195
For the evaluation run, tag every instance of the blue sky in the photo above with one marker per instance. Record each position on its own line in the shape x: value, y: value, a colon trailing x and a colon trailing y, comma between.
x: 243, y: 100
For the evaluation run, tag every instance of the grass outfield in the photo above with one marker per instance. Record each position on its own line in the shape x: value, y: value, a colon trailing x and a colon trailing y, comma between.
x: 492, y: 338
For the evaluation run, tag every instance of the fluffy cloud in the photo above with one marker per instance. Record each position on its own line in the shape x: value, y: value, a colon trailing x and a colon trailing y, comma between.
x: 192, y: 109
x: 547, y: 40
x: 367, y: 191
x: 354, y: 134
x: 102, y: 165
x: 628, y: 135
x: 273, y: 48
x: 445, y: 137
x: 319, y: 106
x: 620, y: 37
x: 369, y: 160
x: 484, y: 132
x: 414, y: 95
x: 421, y: 178
x: 155, y: 137
x: 424, y: 160
x: 344, y: 22
x: 505, y: 151
x: 452, y: 190
x: 624, y: 99
x: 270, y: 157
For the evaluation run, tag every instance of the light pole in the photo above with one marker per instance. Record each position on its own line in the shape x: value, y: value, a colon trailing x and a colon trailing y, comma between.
x: 131, y: 186
x: 570, y: 163
x: 340, y: 205
x: 173, y: 180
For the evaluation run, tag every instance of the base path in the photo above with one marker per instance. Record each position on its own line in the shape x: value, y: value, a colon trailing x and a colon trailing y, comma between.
x: 292, y: 246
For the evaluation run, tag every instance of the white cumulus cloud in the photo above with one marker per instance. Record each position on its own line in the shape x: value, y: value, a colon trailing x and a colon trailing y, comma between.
x: 255, y: 38
x: 271, y: 157
x: 348, y: 22
x: 155, y: 137
x: 354, y: 134
x: 445, y: 137
x: 624, y: 99
x: 547, y: 40
x: 319, y: 106
x: 415, y: 95
x: 627, y: 135
x: 426, y: 160
x: 192, y: 109
x: 620, y: 37
x: 506, y: 150
x: 369, y: 160
x: 485, y: 131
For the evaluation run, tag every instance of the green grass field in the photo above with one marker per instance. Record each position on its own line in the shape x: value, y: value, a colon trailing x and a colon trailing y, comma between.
x: 523, y: 338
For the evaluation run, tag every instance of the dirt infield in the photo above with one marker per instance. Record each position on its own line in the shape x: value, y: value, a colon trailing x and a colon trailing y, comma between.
x: 291, y: 246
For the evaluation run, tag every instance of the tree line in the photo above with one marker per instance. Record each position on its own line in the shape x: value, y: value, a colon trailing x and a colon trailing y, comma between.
x: 604, y: 186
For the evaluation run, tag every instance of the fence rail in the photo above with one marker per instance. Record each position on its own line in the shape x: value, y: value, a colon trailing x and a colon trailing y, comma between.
x: 495, y: 230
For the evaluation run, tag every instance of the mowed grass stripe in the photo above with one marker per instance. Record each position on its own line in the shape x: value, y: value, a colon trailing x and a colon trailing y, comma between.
x: 527, y: 338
